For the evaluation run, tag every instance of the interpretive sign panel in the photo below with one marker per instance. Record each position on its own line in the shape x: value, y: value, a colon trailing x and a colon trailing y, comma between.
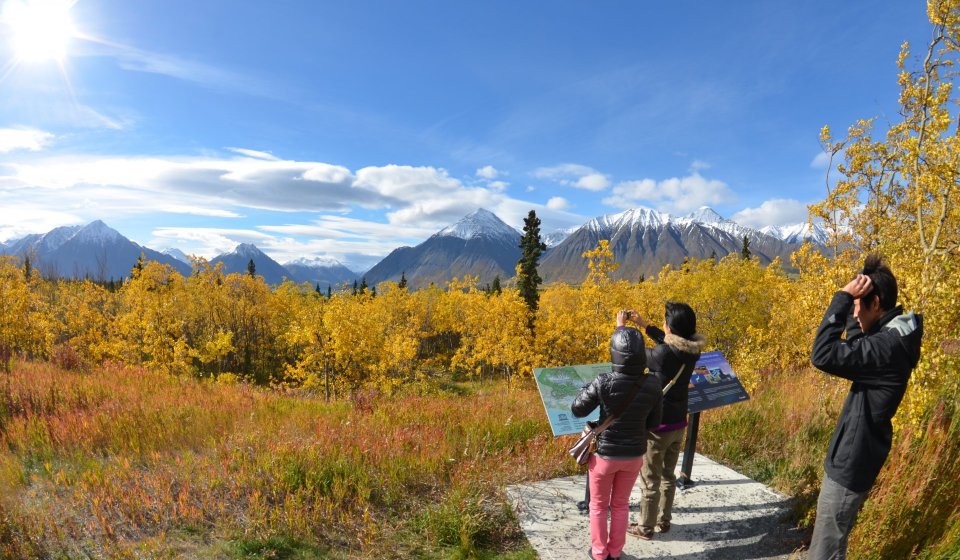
x: 714, y: 384
x: 558, y: 386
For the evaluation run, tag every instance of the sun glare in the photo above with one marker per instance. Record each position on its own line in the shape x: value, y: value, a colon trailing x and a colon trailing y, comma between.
x: 41, y: 30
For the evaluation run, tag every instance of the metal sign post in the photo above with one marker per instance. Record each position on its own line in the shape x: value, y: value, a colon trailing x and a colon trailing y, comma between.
x: 685, y: 479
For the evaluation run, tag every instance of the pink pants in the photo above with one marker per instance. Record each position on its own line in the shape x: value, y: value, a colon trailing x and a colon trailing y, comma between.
x: 611, y: 482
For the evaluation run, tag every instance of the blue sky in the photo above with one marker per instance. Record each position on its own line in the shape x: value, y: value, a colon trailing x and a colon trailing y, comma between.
x: 346, y: 129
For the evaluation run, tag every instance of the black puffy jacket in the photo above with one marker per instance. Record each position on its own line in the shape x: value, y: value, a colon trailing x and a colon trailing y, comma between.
x: 627, y: 437
x: 664, y: 361
x: 879, y: 363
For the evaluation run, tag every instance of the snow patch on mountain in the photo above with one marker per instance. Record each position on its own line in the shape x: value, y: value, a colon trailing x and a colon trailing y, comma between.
x: 556, y: 237
x: 633, y: 218
x: 314, y: 262
x: 479, y: 223
x: 798, y: 233
x: 97, y: 232
x: 177, y: 254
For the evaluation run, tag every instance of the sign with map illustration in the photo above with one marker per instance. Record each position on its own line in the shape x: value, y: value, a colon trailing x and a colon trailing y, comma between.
x: 558, y: 386
x: 712, y: 384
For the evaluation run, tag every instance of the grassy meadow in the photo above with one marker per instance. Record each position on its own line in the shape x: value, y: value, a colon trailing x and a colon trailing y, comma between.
x: 120, y: 462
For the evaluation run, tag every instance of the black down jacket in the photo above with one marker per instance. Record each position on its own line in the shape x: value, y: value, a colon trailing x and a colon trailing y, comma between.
x: 879, y: 363
x: 627, y: 437
x: 664, y: 361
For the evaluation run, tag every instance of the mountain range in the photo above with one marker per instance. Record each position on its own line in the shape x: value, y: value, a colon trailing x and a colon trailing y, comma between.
x: 99, y: 252
x: 481, y: 244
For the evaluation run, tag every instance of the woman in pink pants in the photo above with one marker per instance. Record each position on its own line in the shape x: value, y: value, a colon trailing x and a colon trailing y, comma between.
x: 616, y: 464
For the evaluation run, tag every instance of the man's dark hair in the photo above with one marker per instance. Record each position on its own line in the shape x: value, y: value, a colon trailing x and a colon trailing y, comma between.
x: 883, y: 280
x: 681, y: 319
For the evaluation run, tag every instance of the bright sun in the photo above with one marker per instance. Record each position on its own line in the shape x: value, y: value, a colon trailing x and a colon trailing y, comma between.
x: 41, y: 30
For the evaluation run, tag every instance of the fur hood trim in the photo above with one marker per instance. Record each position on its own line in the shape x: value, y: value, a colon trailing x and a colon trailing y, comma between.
x: 691, y: 346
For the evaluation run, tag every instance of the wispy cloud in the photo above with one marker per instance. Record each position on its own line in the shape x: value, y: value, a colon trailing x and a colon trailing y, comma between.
x: 574, y: 175
x: 211, y: 76
x: 23, y: 139
x: 677, y: 194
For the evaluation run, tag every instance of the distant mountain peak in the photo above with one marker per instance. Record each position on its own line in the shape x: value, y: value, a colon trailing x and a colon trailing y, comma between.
x: 177, y: 254
x: 706, y: 215
x: 315, y: 262
x: 479, y: 223
x: 798, y: 233
x: 97, y: 231
x: 247, y: 250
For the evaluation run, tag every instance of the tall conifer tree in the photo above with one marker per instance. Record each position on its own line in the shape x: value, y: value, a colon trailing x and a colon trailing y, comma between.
x: 531, y: 247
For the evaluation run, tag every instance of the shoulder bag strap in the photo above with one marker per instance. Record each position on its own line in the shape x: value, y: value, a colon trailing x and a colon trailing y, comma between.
x: 623, y: 407
x: 674, y: 380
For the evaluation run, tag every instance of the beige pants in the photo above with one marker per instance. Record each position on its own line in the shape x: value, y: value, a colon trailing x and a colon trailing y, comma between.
x: 659, y: 477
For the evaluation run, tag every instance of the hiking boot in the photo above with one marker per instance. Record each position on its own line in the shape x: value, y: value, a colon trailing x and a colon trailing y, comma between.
x: 636, y: 530
x: 664, y: 526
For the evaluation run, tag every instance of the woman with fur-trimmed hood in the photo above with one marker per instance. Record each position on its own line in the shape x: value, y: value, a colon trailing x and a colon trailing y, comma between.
x: 677, y: 346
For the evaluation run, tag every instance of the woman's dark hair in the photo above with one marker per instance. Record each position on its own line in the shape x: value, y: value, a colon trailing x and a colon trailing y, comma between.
x: 883, y: 280
x: 681, y: 319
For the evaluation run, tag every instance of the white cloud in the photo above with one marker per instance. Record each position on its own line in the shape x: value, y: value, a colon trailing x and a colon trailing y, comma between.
x: 208, y: 242
x: 574, y: 175
x: 678, y: 194
x: 498, y: 186
x: 255, y: 154
x: 23, y: 139
x: 488, y: 172
x: 774, y: 212
x: 32, y: 219
x: 820, y: 161
x: 406, y: 183
x: 593, y: 182
x: 699, y: 165
x: 531, y: 188
x: 558, y: 203
x: 415, y: 201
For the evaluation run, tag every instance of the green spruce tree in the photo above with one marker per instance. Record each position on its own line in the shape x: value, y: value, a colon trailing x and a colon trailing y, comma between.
x: 403, y: 280
x: 745, y: 251
x: 531, y: 247
x: 251, y: 268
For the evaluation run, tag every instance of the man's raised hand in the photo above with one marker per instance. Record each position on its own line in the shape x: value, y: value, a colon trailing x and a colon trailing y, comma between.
x: 859, y: 286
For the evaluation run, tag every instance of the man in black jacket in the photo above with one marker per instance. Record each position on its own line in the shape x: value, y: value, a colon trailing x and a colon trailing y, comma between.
x: 881, y: 349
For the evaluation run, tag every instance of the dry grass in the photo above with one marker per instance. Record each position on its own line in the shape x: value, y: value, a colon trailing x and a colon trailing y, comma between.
x: 123, y: 462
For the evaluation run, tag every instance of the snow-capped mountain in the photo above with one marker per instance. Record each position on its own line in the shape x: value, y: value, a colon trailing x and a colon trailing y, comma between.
x: 177, y: 254
x: 322, y: 271
x: 798, y: 233
x: 643, y: 240
x: 239, y: 259
x: 479, y: 223
x: 556, y: 237
x: 94, y: 251
x: 479, y: 244
x: 633, y: 218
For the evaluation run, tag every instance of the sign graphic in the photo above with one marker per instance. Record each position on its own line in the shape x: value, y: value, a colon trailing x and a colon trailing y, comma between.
x: 713, y: 384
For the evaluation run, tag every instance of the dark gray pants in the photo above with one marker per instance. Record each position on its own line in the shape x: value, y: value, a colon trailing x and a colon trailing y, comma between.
x: 837, y: 510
